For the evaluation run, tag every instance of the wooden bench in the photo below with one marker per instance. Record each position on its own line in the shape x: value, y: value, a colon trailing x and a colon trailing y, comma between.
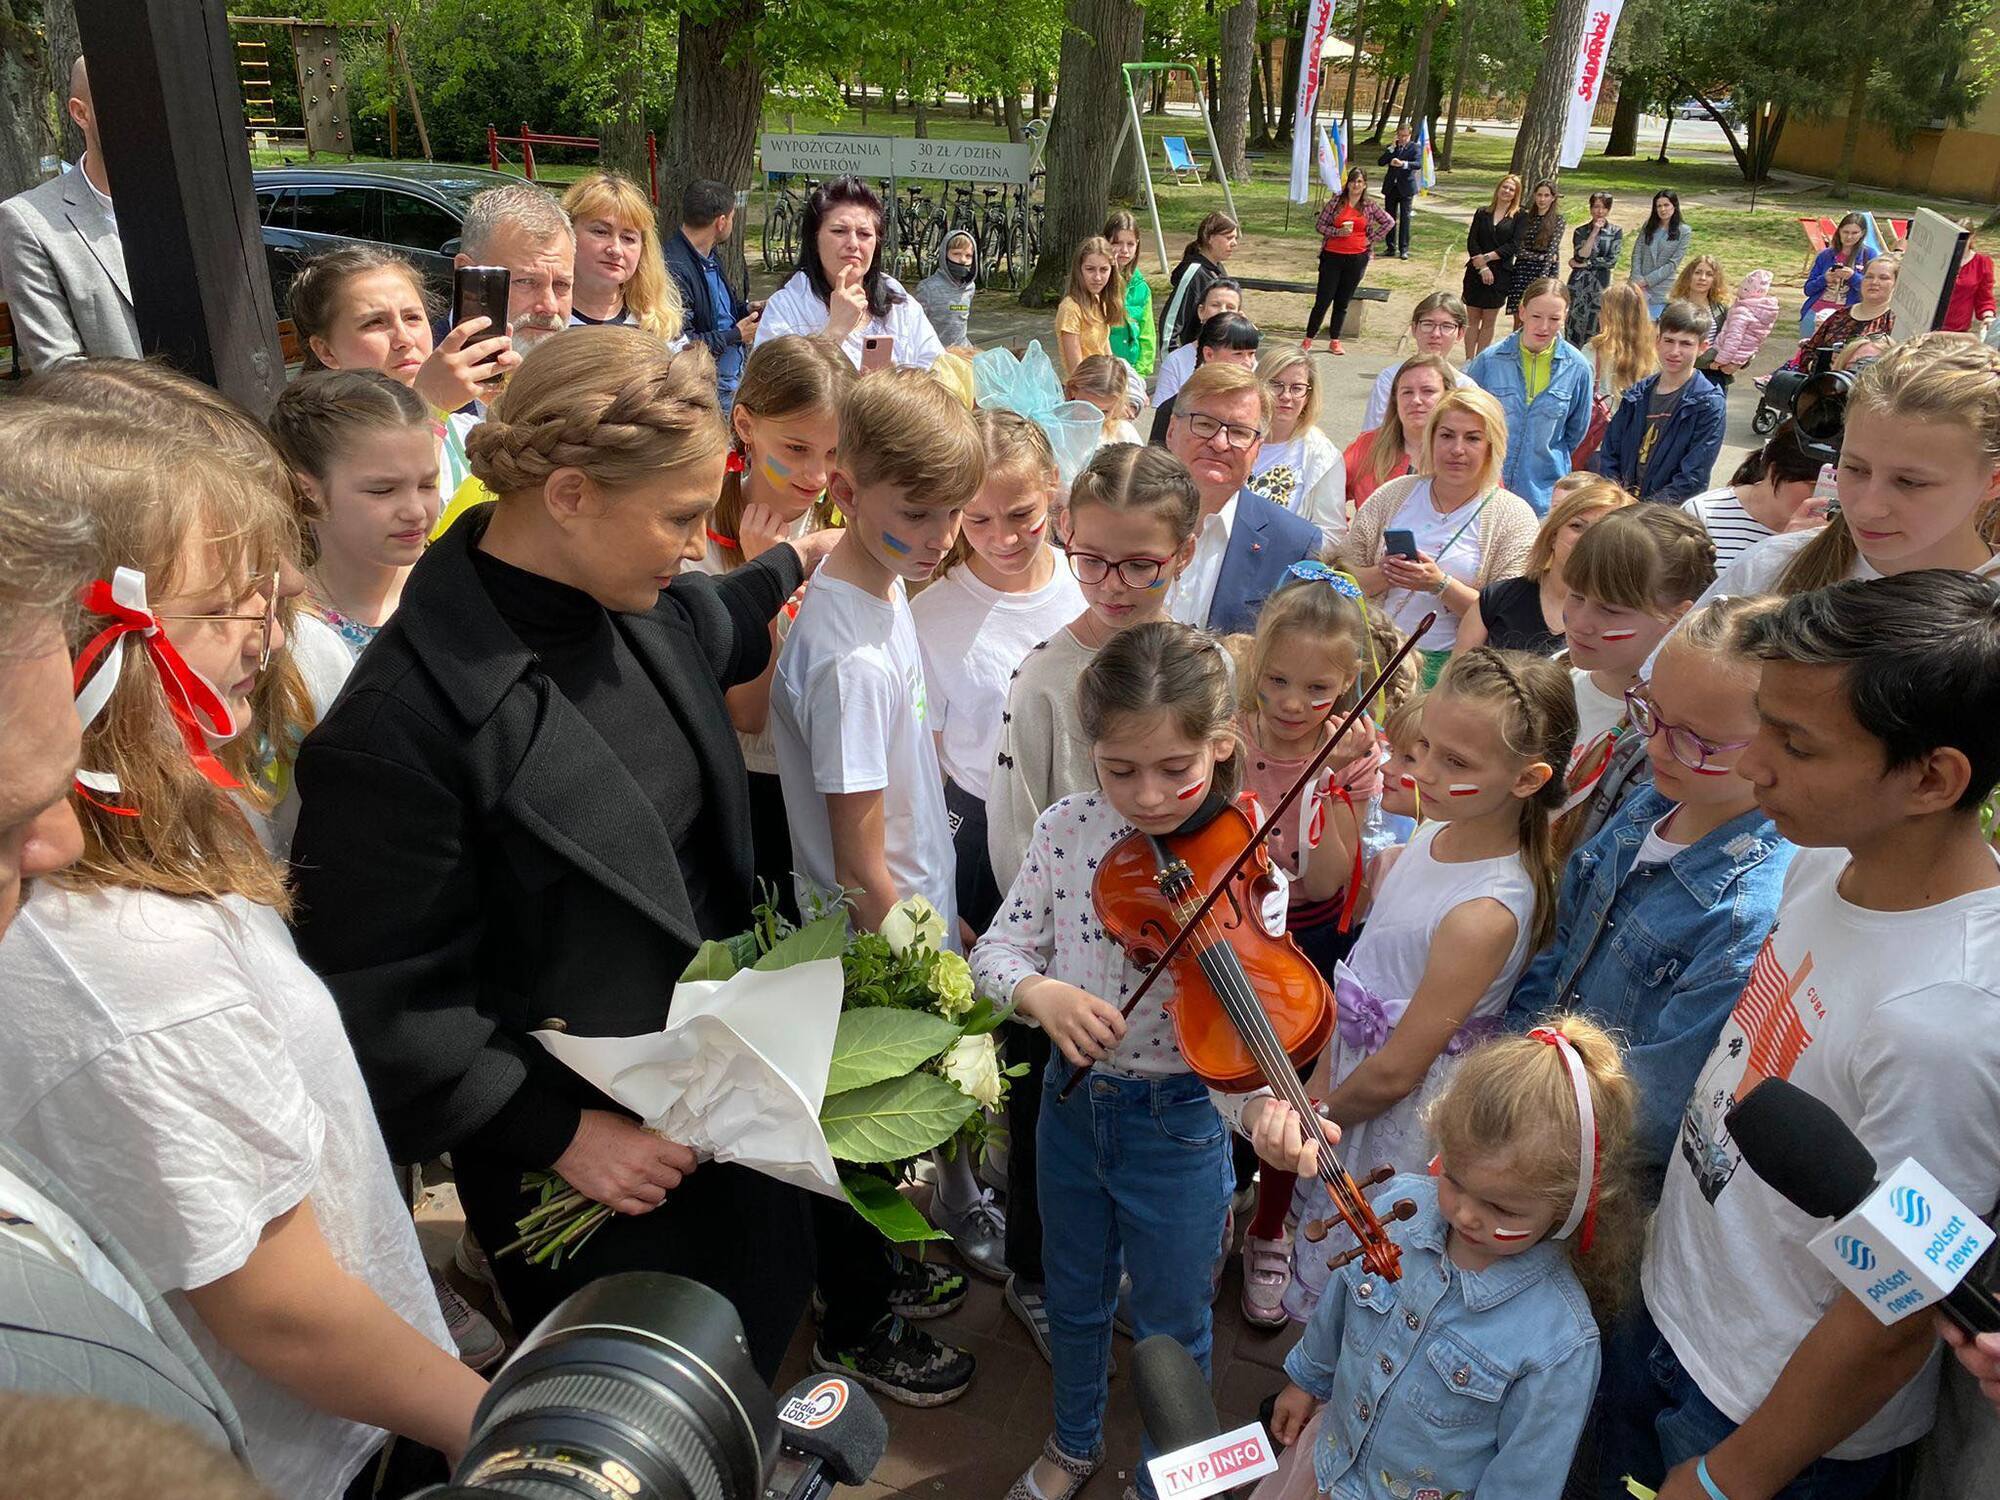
x: 1352, y: 327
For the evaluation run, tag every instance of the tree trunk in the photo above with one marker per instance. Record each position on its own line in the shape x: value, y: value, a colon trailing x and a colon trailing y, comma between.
x: 1214, y: 79
x: 1294, y: 59
x: 65, y: 46
x: 1098, y: 35
x: 1625, y: 119
x: 1010, y: 108
x: 1385, y: 106
x: 1664, y: 134
x: 1041, y: 99
x: 1850, y: 139
x: 1239, y: 41
x: 1260, y: 108
x: 920, y: 108
x: 1353, y: 72
x: 1417, y: 103
x: 1128, y: 175
x: 24, y: 102
x: 620, y: 27
x: 1457, y: 81
x: 1538, y: 142
x: 862, y: 87
x: 718, y: 107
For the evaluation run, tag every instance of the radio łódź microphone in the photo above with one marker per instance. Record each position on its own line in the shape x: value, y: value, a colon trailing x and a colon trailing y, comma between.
x: 1177, y: 1409
x: 833, y: 1434
x: 1900, y: 1244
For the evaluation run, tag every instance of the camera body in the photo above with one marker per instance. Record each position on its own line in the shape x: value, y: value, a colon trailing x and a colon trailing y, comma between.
x: 640, y: 1387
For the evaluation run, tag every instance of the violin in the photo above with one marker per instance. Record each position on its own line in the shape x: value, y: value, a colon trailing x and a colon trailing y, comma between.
x: 1249, y: 1008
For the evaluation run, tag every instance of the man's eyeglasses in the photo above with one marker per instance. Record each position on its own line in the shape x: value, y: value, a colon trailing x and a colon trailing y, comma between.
x: 1206, y: 427
x: 267, y: 589
x: 1683, y: 744
x: 1133, y: 572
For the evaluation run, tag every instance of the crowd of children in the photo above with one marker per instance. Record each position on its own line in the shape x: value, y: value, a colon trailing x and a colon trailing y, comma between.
x: 1666, y: 800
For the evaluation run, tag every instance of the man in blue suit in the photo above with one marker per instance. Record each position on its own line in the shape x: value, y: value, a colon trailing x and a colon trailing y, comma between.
x: 1244, y: 543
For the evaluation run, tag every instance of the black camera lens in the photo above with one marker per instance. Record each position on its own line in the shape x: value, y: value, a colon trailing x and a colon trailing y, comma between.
x: 638, y: 1387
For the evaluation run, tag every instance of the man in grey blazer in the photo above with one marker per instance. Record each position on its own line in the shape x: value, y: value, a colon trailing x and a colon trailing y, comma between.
x: 77, y: 1315
x: 62, y: 267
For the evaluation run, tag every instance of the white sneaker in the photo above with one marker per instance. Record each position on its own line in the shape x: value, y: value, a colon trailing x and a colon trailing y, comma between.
x: 1267, y: 1271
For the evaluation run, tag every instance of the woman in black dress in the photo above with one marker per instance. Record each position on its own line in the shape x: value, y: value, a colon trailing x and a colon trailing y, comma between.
x: 1538, y: 244
x: 1489, y: 250
x: 1593, y: 256
x: 528, y: 810
x: 1526, y: 613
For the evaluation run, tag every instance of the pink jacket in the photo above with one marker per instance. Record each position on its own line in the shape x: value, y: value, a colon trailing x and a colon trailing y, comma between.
x: 1749, y: 322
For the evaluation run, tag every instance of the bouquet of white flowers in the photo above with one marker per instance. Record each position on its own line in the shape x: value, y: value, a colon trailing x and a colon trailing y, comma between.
x: 744, y: 1071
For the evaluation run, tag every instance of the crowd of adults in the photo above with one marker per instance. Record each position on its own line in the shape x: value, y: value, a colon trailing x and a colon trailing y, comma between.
x: 466, y: 694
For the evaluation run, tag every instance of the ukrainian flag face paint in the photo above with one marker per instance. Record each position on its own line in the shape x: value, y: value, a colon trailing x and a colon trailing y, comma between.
x: 896, y: 544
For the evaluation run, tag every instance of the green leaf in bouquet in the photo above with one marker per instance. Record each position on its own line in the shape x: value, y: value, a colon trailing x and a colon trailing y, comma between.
x: 880, y: 1043
x: 984, y: 1016
x: 894, y: 1120
x: 822, y: 939
x: 888, y: 1210
x: 711, y: 960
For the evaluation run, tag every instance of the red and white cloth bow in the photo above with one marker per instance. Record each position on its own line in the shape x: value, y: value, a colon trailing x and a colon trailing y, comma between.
x: 199, y: 709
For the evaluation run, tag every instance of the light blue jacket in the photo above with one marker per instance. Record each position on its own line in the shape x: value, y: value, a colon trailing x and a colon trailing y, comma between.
x: 1658, y: 955
x: 1448, y: 1382
x: 1540, y: 435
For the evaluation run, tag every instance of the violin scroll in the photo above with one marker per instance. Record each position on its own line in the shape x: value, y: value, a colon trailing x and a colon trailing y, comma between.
x: 1387, y: 1266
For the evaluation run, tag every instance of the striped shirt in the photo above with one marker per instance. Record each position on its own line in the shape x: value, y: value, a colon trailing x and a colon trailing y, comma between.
x: 1732, y: 528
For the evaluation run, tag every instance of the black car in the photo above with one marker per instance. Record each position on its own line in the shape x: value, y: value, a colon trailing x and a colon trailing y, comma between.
x: 414, y: 207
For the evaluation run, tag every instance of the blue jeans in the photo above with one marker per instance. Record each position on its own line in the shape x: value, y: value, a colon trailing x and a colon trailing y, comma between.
x: 1651, y: 1416
x: 1136, y: 1168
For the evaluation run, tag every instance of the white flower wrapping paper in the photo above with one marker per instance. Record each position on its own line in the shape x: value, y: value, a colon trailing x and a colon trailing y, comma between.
x: 737, y: 1074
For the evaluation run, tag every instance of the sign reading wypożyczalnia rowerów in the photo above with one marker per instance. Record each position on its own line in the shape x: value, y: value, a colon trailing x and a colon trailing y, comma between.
x: 878, y: 156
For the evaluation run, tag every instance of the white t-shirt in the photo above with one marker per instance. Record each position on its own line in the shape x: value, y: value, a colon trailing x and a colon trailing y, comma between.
x: 1893, y: 1020
x: 179, y: 1068
x: 850, y: 712
x: 795, y: 308
x: 324, y: 662
x: 1121, y: 430
x: 1453, y: 543
x: 1378, y: 397
x: 1732, y: 528
x: 973, y: 637
x: 1657, y: 848
x: 1192, y: 595
x: 1173, y: 371
x: 1306, y: 475
x: 1597, y: 712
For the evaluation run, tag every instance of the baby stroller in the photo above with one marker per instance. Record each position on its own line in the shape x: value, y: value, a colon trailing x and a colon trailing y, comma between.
x: 1774, y: 402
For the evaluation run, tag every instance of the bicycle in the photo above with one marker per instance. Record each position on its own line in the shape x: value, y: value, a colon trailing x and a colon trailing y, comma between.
x: 783, y: 222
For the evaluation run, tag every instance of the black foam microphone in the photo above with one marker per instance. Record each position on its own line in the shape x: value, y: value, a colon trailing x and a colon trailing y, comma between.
x: 1807, y: 1154
x: 1176, y: 1407
x: 833, y: 1433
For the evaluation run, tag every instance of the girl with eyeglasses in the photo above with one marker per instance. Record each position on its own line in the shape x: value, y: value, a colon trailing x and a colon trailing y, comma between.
x: 1684, y: 945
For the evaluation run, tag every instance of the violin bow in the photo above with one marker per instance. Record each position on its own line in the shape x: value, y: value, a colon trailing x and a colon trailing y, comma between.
x: 1313, y: 767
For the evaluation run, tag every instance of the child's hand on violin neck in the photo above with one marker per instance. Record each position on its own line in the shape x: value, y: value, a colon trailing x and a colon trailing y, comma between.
x: 1294, y: 1408
x: 1084, y: 1027
x: 1280, y: 1139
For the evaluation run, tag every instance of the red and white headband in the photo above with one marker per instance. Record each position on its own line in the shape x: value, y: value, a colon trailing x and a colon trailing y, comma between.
x: 1583, y: 1209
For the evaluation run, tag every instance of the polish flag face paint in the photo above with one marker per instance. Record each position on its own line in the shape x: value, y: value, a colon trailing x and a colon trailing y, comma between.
x: 1191, y: 791
x: 1461, y: 789
x: 895, y: 544
x: 1320, y: 705
x: 1617, y: 635
x: 1407, y: 782
x: 1708, y: 770
x: 1513, y: 1236
x: 1039, y: 527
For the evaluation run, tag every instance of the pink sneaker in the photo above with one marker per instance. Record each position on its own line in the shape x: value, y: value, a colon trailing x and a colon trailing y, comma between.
x: 1333, y: 347
x: 1267, y: 1271
x: 1307, y: 345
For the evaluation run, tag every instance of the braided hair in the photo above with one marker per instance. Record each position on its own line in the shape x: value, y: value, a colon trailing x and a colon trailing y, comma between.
x: 1537, y: 721
x: 612, y: 402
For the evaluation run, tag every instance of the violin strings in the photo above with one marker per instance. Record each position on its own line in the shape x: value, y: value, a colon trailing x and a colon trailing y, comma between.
x: 1233, y: 990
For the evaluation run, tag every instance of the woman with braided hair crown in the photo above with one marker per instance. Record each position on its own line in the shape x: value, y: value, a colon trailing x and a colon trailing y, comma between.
x: 528, y: 810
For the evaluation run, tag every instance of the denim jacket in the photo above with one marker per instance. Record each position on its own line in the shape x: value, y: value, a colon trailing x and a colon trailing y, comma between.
x: 1448, y: 1382
x: 1659, y: 954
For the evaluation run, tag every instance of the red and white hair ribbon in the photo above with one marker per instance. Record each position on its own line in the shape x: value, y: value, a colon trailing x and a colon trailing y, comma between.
x: 1583, y: 1209
x: 199, y: 710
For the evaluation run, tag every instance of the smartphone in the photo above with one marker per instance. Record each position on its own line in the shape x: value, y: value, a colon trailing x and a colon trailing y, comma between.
x: 1397, y: 542
x: 481, y: 292
x: 878, y: 351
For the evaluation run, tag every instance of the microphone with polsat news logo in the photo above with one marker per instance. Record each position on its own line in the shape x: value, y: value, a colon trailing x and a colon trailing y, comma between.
x: 1899, y: 1244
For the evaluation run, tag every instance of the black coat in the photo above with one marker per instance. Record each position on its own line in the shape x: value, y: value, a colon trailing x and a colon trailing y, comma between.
x: 707, y: 324
x: 474, y: 863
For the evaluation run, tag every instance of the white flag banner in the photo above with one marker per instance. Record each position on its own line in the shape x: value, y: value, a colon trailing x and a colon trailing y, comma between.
x: 1319, y: 21
x: 1599, y: 21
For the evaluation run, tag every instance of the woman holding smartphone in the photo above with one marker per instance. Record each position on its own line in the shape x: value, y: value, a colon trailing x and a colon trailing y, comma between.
x: 840, y: 290
x: 1432, y: 540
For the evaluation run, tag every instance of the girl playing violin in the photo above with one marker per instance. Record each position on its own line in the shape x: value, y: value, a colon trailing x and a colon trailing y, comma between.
x: 1134, y: 1165
x: 1301, y: 666
x: 1473, y: 1373
x: 1450, y: 928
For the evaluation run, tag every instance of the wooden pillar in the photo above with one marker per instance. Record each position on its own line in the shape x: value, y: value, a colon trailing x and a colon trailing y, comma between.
x: 170, y: 114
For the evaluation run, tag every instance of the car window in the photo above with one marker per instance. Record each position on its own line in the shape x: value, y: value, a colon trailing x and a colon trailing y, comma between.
x: 416, y: 224
x: 344, y: 211
x: 268, y: 211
